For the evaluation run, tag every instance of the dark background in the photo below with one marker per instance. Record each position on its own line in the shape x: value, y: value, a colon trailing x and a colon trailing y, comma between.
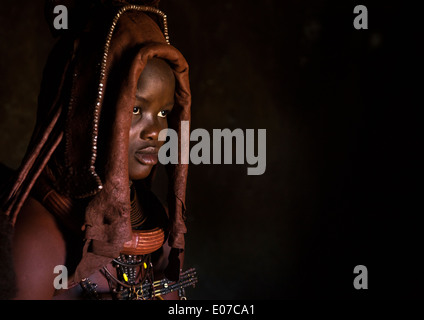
x: 341, y: 112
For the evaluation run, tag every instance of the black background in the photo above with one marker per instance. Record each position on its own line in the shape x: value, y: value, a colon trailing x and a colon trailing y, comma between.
x: 340, y: 107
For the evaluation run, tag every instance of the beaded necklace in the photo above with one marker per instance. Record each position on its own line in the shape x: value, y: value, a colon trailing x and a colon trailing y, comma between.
x: 134, y: 278
x: 132, y: 268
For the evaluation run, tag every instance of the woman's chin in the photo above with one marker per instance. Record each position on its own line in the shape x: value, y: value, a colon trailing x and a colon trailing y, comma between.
x: 141, y: 173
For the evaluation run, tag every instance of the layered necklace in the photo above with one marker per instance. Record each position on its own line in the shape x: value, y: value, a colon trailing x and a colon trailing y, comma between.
x: 134, y: 269
x: 134, y: 279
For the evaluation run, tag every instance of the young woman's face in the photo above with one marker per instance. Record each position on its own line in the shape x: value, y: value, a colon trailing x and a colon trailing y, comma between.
x: 154, y: 100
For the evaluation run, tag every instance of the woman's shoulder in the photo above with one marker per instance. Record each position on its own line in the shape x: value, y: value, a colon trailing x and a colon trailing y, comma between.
x: 35, y: 218
x: 38, y: 247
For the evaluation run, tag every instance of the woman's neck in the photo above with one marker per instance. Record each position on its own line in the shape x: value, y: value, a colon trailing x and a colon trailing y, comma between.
x: 137, y: 217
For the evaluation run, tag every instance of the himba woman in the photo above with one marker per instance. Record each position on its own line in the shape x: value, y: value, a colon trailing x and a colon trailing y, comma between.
x: 82, y: 196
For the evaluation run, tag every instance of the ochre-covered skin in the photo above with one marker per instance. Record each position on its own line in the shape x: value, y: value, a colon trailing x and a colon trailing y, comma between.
x: 81, y: 147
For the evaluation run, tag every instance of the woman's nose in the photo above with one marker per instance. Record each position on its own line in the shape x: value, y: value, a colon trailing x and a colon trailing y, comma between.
x: 149, y: 128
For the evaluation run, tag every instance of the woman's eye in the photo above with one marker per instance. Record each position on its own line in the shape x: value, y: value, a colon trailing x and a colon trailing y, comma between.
x: 163, y: 113
x: 136, y: 110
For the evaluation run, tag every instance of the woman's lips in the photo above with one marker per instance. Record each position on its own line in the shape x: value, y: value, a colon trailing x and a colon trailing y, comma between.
x: 147, y: 156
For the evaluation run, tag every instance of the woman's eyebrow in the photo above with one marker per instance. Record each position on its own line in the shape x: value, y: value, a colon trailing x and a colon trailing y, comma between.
x: 146, y: 101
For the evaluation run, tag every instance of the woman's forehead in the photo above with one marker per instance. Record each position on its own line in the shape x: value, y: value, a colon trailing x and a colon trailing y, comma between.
x: 155, y: 72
